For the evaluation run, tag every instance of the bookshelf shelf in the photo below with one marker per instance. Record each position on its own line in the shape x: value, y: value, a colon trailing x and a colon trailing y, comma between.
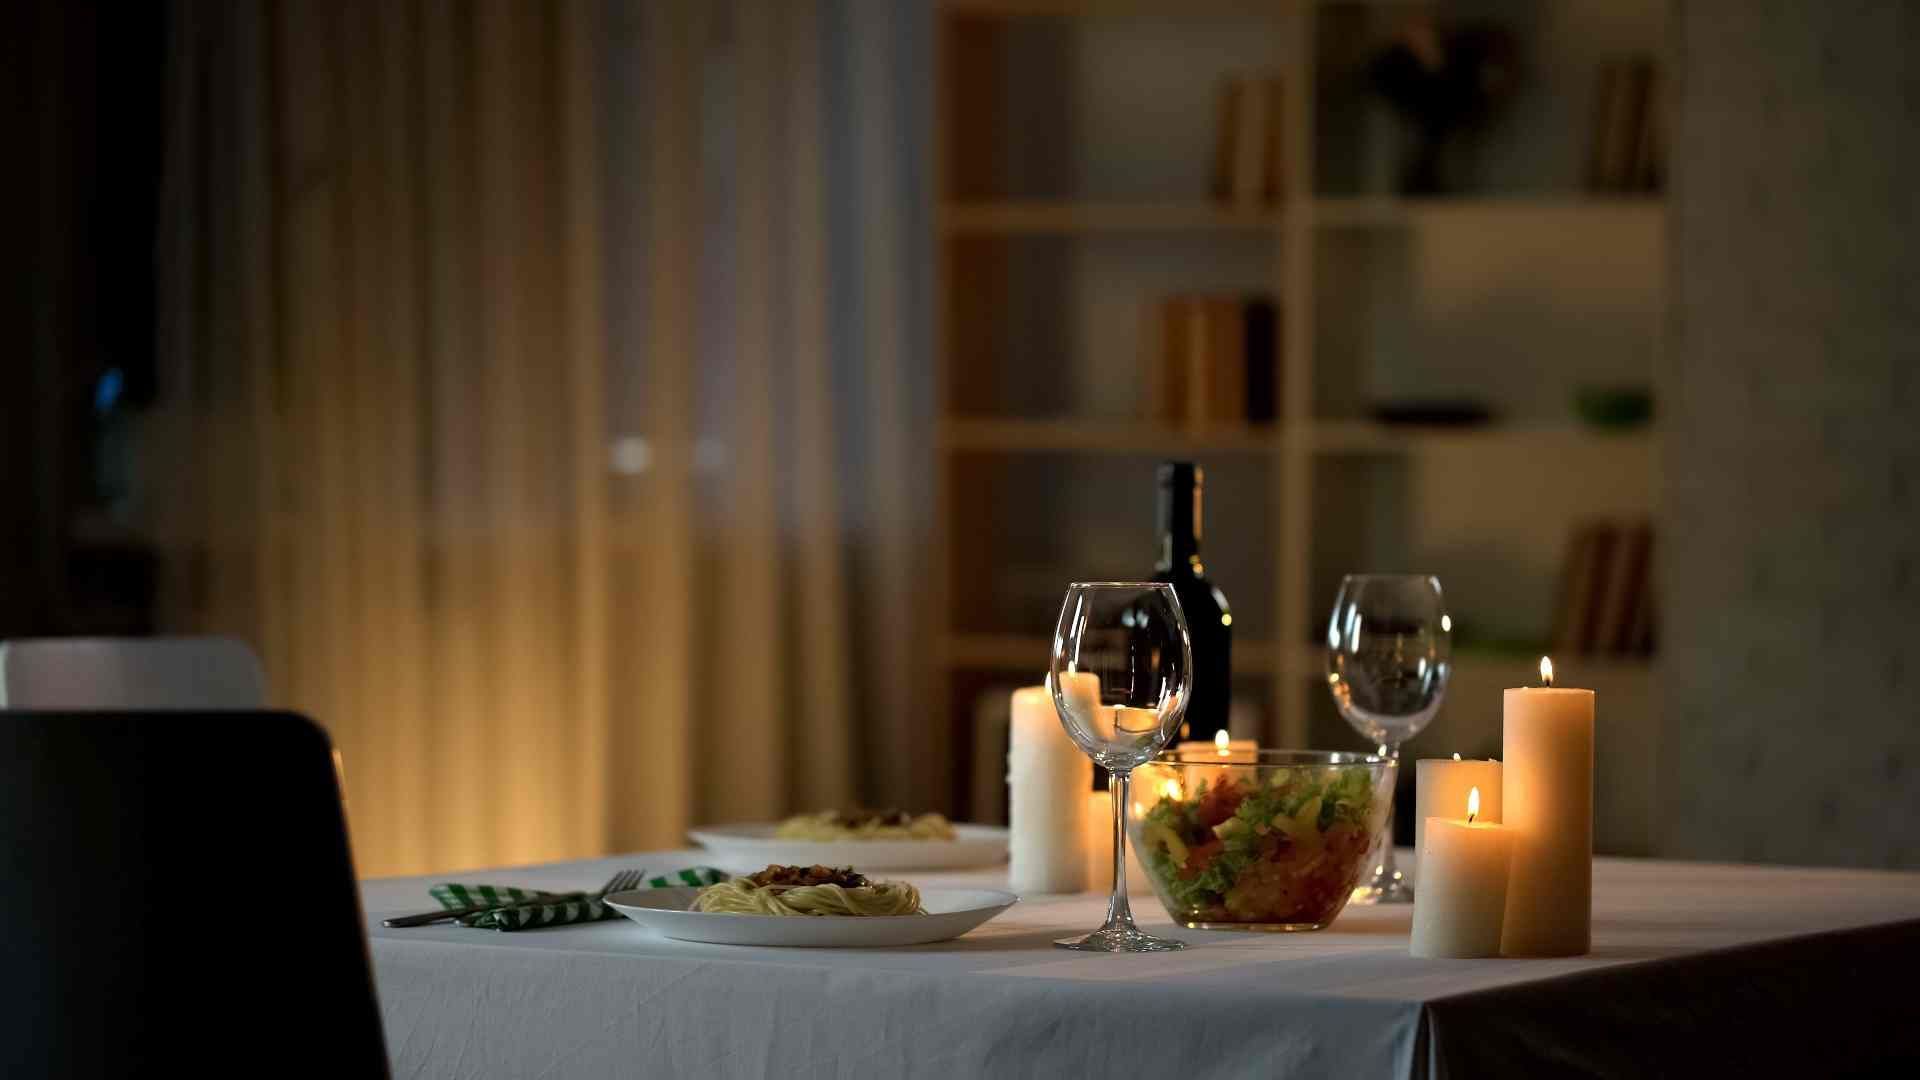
x: 1309, y: 662
x: 1020, y: 652
x: 1387, y: 212
x: 1366, y: 437
x: 1051, y: 217
x: 1099, y: 9
x: 1044, y: 435
x: 1097, y: 436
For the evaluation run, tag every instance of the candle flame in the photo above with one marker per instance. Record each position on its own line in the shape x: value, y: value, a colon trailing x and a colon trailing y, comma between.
x: 1473, y: 805
x: 1170, y: 790
x: 1456, y: 755
x: 1546, y: 670
x: 1220, y: 742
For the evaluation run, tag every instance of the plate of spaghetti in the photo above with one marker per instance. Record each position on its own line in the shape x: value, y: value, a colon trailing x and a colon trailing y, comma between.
x: 870, y: 839
x: 811, y: 906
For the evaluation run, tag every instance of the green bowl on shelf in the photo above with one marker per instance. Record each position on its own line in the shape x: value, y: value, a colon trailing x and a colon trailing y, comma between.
x: 1614, y: 408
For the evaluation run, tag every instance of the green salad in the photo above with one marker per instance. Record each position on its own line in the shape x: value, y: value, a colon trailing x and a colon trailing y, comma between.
x: 1283, y: 847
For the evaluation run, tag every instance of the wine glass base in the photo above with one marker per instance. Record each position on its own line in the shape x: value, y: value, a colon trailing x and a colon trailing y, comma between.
x: 1119, y: 939
x: 1387, y: 887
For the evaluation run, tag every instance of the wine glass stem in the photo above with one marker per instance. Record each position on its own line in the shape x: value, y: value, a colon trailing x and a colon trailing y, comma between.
x: 1119, y: 914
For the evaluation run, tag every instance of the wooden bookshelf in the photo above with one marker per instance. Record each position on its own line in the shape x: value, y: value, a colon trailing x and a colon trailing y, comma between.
x: 1513, y: 669
x: 1063, y: 217
x: 1366, y: 437
x: 1081, y: 217
x: 1025, y: 433
x: 1015, y: 652
x: 1098, y: 437
x: 1095, y: 9
x: 1015, y: 435
x: 1390, y: 212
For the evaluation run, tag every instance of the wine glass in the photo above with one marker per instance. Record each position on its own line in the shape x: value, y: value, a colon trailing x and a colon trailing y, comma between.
x: 1389, y: 649
x: 1121, y: 671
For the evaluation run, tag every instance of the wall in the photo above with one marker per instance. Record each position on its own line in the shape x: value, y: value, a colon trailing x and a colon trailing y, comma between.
x: 1788, y: 396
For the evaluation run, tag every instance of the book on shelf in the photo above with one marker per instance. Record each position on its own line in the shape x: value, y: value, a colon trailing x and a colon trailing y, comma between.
x: 1196, y: 358
x: 1226, y: 118
x: 1627, y: 150
x: 1649, y: 164
x: 1274, y: 186
x: 1625, y: 589
x: 1645, y: 618
x: 1249, y: 165
x: 1580, y: 582
x: 1606, y: 592
x: 1262, y: 340
x: 992, y: 719
x: 1250, y: 147
x: 1209, y: 361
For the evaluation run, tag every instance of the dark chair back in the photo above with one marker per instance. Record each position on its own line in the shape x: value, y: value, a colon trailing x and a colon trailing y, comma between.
x: 179, y: 896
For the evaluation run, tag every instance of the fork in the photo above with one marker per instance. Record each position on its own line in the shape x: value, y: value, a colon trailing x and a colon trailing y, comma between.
x: 625, y: 879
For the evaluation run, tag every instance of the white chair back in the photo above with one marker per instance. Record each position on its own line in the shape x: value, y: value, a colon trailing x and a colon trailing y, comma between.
x: 130, y: 673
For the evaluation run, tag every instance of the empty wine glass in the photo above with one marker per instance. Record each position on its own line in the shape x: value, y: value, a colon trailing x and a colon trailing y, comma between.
x: 1121, y: 669
x: 1389, y: 650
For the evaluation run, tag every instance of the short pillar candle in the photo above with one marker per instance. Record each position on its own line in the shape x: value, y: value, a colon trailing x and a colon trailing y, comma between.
x: 1440, y: 789
x: 1461, y: 903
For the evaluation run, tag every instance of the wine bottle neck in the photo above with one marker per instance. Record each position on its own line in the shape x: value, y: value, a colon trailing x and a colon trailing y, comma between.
x: 1180, y: 518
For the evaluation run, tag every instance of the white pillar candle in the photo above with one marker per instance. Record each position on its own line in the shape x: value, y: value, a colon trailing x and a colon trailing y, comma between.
x: 1222, y: 748
x: 1080, y: 692
x: 1461, y: 902
x: 1128, y: 720
x: 1047, y: 779
x: 1547, y: 782
x: 1440, y: 789
x: 1098, y: 829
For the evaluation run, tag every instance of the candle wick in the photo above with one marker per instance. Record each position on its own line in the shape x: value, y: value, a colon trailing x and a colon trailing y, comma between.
x: 1470, y: 818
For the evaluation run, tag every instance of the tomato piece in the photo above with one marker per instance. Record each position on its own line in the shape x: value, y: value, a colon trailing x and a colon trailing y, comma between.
x: 1198, y: 856
x: 1219, y: 803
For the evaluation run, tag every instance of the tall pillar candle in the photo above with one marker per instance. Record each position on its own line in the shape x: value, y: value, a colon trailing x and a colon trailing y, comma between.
x: 1547, y: 781
x: 1047, y: 799
x: 1080, y: 696
x: 1440, y: 789
x: 1098, y: 826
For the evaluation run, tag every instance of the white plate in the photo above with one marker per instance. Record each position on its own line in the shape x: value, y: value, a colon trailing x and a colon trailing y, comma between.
x: 754, y: 847
x: 950, y: 913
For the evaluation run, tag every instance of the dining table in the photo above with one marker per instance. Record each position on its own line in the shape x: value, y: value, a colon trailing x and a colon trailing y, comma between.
x: 1717, y: 968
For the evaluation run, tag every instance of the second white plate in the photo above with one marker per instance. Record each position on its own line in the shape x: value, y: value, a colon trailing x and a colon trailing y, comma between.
x: 950, y: 913
x: 752, y: 847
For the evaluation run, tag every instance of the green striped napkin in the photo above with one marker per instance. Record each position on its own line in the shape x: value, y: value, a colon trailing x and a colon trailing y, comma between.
x: 527, y: 909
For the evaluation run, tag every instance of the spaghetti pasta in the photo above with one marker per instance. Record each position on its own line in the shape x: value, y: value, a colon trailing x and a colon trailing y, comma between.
x: 833, y: 825
x: 846, y: 894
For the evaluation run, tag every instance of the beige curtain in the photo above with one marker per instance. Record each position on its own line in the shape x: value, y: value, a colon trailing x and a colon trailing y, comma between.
x: 449, y: 286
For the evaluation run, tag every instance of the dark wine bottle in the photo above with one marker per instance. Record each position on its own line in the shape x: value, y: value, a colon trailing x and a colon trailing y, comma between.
x: 1209, y: 620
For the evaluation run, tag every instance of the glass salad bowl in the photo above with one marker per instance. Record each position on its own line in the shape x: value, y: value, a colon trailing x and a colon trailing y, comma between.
x: 1258, y: 840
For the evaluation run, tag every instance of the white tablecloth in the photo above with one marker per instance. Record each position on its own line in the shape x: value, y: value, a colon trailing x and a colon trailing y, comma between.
x: 1694, y: 966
